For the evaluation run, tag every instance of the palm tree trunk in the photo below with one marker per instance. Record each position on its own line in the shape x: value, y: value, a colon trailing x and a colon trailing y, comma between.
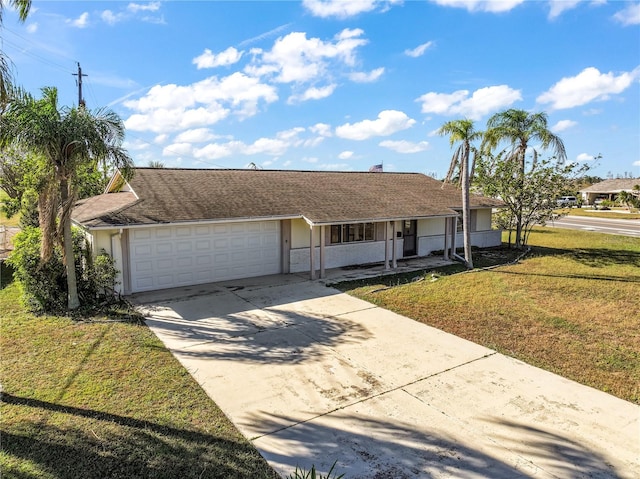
x: 72, y: 288
x: 47, y: 213
x: 466, y: 210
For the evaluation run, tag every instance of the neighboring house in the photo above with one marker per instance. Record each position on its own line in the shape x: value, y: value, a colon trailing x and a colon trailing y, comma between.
x: 608, y: 189
x: 177, y: 227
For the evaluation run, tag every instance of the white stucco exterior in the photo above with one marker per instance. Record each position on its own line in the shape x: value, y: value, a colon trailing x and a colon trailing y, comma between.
x: 294, y: 245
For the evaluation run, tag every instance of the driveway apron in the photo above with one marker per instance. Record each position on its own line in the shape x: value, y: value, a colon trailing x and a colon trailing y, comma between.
x: 312, y: 376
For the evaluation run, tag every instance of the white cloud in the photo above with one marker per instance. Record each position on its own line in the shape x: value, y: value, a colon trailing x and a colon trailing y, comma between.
x: 563, y: 125
x: 592, y: 111
x: 81, y: 22
x: 136, y: 145
x: 387, y: 123
x: 312, y: 93
x: 630, y: 15
x: 404, y: 146
x: 131, y: 11
x: 159, y: 139
x: 291, y: 133
x: 481, y: 102
x: 295, y: 58
x: 557, y: 7
x: 32, y: 27
x: 340, y: 8
x: 419, y: 50
x: 167, y: 108
x: 143, y: 7
x: 492, y: 6
x: 262, y: 146
x: 196, y: 135
x: 584, y: 157
x: 310, y: 159
x: 335, y: 166
x: 210, y: 60
x: 321, y: 129
x: 111, y: 18
x: 363, y: 77
x: 636, y: 163
x: 177, y: 149
x: 345, y: 155
x: 587, y: 86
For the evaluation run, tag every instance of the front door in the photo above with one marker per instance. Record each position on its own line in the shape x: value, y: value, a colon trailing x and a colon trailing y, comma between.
x: 409, y: 233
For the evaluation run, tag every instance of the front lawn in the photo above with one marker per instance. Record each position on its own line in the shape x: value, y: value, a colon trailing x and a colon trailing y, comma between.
x: 105, y: 399
x: 571, y: 307
x: 613, y: 214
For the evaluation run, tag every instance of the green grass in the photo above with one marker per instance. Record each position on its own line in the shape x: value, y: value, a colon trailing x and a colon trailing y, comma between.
x: 614, y: 214
x: 571, y: 307
x: 106, y: 399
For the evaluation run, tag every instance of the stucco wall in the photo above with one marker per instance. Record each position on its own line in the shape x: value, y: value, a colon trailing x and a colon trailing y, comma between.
x: 102, y: 240
x: 340, y: 255
x: 481, y: 239
x: 483, y: 219
x: 300, y: 234
x: 431, y: 227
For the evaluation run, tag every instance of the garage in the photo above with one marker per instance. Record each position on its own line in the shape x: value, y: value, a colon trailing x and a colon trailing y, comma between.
x: 170, y: 256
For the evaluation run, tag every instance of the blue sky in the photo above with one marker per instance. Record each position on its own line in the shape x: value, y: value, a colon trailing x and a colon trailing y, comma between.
x: 339, y: 85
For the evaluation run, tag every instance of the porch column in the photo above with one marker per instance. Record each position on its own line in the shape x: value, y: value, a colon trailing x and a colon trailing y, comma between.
x: 446, y: 238
x: 394, y: 262
x: 312, y: 254
x: 386, y: 246
x: 454, y: 231
x: 322, y: 241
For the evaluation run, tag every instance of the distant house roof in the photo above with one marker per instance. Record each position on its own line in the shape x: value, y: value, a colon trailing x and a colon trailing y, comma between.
x: 167, y: 195
x: 612, y: 186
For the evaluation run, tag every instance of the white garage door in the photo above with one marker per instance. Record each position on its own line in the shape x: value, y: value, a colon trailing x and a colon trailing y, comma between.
x: 166, y: 257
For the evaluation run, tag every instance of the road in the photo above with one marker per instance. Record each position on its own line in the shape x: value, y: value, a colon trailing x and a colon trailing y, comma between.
x: 600, y: 225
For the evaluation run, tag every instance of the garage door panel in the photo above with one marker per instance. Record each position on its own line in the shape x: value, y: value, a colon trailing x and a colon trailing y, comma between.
x: 164, y: 248
x: 164, y: 264
x: 176, y: 256
x: 164, y: 232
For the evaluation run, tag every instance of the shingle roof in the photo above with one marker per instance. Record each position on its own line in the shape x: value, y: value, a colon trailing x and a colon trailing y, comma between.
x: 615, y: 185
x: 167, y: 195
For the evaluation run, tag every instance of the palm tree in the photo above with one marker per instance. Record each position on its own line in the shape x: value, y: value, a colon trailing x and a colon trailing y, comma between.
x: 520, y: 128
x: 67, y: 139
x: 23, y: 7
x: 462, y: 131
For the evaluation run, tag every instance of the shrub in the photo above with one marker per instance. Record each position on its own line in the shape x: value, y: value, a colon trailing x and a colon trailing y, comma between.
x: 44, y: 284
x: 313, y: 474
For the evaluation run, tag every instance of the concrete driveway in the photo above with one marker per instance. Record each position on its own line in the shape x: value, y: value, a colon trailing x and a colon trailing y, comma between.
x: 313, y: 376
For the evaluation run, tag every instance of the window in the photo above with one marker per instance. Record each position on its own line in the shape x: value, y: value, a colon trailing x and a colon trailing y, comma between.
x: 352, y: 232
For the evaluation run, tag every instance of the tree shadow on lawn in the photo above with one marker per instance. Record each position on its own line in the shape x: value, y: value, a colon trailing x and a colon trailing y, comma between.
x: 108, y: 445
x: 593, y: 257
x: 432, y: 447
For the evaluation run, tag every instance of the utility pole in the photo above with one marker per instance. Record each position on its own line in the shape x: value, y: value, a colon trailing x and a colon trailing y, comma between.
x: 79, y: 82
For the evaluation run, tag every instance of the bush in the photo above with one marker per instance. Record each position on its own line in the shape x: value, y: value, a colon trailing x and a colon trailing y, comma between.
x: 44, y: 284
x: 313, y: 474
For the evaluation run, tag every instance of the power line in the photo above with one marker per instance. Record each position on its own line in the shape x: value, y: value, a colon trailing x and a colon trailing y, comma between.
x: 35, y: 56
